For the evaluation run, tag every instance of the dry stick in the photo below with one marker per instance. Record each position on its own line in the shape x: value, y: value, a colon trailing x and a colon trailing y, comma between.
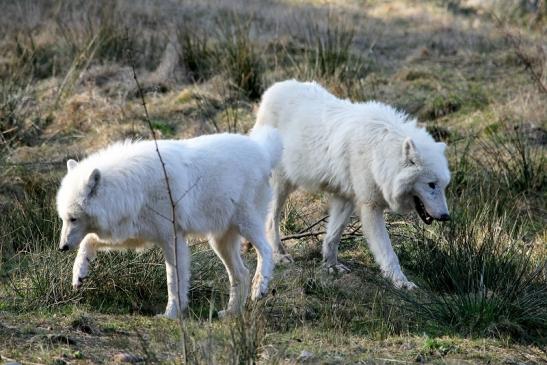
x: 302, y: 235
x: 171, y: 200
x: 306, y: 232
x: 315, y: 234
x: 314, y: 224
x: 522, y: 57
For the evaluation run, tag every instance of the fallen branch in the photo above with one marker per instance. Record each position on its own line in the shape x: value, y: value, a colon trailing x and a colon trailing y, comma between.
x: 302, y: 235
x: 314, y: 224
x: 318, y: 233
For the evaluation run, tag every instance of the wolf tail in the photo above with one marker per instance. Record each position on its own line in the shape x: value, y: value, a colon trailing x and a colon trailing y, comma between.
x: 269, y: 140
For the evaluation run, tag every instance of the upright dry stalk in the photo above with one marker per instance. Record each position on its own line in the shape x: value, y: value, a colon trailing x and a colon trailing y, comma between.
x: 171, y: 200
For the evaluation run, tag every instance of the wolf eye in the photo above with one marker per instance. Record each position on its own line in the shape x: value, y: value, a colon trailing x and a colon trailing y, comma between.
x: 431, y: 185
x: 72, y: 219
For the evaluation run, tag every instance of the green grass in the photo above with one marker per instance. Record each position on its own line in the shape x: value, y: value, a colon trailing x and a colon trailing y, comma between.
x: 482, y: 276
x: 166, y: 129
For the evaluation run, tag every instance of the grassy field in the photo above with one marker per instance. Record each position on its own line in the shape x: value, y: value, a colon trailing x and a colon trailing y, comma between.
x: 473, y: 72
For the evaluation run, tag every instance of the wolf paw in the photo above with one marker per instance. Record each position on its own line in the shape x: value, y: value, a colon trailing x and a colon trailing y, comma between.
x: 259, y: 289
x: 77, y: 283
x: 226, y: 313
x: 170, y: 313
x: 401, y: 282
x: 404, y: 284
x: 337, y: 268
x: 282, y: 258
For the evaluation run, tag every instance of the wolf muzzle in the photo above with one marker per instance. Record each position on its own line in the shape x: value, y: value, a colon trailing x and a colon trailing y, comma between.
x: 444, y: 218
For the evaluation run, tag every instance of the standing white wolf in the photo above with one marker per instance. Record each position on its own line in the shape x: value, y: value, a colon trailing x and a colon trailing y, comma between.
x: 117, y: 198
x: 368, y: 156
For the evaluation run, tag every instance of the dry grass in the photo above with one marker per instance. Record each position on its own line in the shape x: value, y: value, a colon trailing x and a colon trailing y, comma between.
x: 67, y: 90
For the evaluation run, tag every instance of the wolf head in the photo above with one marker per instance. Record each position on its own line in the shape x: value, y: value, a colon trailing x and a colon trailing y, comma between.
x: 73, y: 199
x: 422, y: 180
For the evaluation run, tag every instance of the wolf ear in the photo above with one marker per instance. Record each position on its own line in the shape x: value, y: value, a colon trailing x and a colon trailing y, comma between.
x: 93, y: 182
x: 410, y: 154
x: 70, y: 164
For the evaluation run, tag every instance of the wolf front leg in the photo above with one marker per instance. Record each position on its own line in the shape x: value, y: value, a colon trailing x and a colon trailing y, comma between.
x: 178, y: 276
x: 374, y: 227
x: 86, y: 253
x: 340, y: 210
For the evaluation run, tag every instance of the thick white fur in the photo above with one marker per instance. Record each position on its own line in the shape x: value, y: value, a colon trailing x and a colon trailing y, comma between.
x: 117, y: 198
x: 369, y: 156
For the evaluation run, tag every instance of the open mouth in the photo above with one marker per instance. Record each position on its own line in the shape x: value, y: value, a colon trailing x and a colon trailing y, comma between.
x: 422, y: 212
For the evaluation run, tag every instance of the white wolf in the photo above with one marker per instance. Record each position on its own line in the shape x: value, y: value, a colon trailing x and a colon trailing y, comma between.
x: 368, y: 156
x: 117, y: 198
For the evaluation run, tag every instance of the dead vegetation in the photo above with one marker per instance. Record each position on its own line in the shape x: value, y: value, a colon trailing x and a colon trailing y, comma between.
x: 67, y: 88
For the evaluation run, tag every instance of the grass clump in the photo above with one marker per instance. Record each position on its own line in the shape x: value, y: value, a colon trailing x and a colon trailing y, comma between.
x: 329, y: 52
x: 32, y: 223
x: 510, y: 158
x: 239, y: 56
x: 442, y: 103
x: 436, y: 346
x: 40, y: 61
x: 327, y: 55
x: 196, y: 54
x: 482, y: 273
x: 166, y: 129
x: 478, y: 277
x: 118, y: 282
x: 12, y: 113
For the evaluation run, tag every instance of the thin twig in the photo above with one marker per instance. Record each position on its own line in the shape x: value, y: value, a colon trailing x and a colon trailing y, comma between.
x: 302, y: 235
x: 315, y: 234
x: 158, y: 213
x: 169, y: 193
x: 314, y: 224
x: 187, y: 190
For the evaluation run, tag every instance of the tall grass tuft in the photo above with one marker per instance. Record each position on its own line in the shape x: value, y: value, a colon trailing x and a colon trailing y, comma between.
x: 246, y: 337
x: 510, y: 158
x: 328, y: 53
x: 196, y: 53
x: 38, y: 61
x: 32, y: 223
x: 14, y: 97
x: 478, y: 277
x: 239, y: 56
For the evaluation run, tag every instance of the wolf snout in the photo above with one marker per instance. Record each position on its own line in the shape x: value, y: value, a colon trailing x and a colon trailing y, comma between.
x: 444, y: 217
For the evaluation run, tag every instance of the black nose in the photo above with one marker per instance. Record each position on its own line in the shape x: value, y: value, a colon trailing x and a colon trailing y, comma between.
x: 444, y: 217
x: 64, y: 248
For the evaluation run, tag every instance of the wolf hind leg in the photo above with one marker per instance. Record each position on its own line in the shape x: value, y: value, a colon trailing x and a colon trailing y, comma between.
x: 254, y: 232
x: 227, y: 247
x: 282, y: 188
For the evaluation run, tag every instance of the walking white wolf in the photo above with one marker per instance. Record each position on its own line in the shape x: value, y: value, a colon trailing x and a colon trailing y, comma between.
x: 368, y: 156
x: 117, y: 198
